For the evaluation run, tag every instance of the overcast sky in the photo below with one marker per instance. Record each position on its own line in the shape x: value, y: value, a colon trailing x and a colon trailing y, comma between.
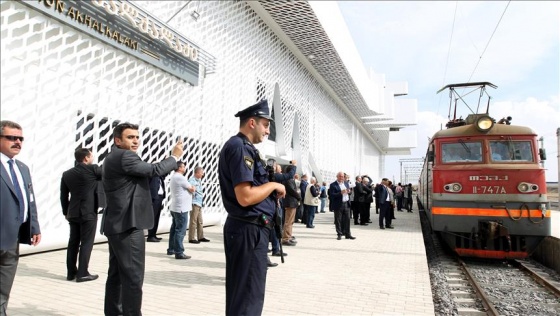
x: 432, y: 44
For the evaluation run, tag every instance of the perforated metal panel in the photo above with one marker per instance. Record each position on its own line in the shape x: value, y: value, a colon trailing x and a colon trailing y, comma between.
x: 68, y: 89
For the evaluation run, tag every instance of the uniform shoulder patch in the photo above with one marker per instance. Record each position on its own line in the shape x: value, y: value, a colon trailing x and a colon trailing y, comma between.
x: 248, y: 162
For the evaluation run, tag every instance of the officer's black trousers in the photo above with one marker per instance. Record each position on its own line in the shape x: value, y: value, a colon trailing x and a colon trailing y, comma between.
x: 246, y: 247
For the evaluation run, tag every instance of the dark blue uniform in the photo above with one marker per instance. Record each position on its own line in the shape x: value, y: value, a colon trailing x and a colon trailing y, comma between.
x: 246, y: 235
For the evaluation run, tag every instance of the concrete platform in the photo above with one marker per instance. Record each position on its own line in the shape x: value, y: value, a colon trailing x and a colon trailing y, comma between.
x: 382, y: 272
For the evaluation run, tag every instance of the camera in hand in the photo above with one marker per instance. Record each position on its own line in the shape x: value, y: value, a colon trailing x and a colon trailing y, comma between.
x: 270, y: 169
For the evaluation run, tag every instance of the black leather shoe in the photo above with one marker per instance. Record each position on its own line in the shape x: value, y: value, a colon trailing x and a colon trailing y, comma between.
x: 87, y: 278
x: 381, y: 227
x: 194, y: 242
x: 271, y: 264
x: 338, y: 237
x: 390, y: 227
x: 350, y: 237
x: 356, y: 223
x: 159, y: 238
x: 364, y: 224
x: 182, y: 256
x: 152, y: 239
x: 277, y: 254
x: 289, y: 243
x: 170, y: 253
x: 312, y: 226
x: 204, y: 240
x: 70, y: 276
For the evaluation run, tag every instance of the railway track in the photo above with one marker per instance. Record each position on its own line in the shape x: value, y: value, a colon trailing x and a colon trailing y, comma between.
x: 476, y: 287
x: 502, y: 288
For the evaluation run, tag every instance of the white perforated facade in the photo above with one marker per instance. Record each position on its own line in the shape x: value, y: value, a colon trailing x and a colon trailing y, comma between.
x: 68, y: 89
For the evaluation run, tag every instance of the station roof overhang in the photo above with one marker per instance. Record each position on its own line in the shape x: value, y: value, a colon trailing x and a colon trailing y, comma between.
x: 298, y: 27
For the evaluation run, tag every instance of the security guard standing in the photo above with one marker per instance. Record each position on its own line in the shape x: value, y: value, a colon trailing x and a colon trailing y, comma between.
x: 247, y: 197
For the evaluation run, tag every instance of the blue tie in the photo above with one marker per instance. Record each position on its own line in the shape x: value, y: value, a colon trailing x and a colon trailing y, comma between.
x: 18, y: 189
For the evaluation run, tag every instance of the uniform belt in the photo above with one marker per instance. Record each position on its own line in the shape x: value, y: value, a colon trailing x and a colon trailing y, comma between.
x: 261, y: 220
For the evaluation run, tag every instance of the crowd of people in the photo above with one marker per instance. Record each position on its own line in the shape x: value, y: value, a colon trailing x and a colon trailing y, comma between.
x: 130, y: 194
x: 258, y: 198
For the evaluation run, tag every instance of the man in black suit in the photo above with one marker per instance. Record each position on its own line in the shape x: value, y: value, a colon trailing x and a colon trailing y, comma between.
x: 359, y: 199
x: 385, y: 204
x: 157, y: 191
x: 128, y: 213
x: 18, y: 212
x: 340, y: 203
x: 78, y: 197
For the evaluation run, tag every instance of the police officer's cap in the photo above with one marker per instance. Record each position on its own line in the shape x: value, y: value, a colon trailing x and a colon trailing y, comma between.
x: 260, y: 109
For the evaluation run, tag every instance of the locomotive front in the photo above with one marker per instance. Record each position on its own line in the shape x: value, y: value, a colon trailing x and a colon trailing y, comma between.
x: 484, y: 189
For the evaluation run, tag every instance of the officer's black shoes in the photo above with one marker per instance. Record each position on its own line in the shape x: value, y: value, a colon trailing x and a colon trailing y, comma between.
x: 182, y: 256
x: 70, y: 276
x: 350, y: 237
x: 87, y: 278
x: 277, y: 254
x: 194, y: 241
x: 269, y: 263
x: 204, y: 240
x: 170, y: 253
x: 289, y: 243
x: 159, y: 238
x: 390, y: 227
x: 338, y: 237
x: 152, y: 239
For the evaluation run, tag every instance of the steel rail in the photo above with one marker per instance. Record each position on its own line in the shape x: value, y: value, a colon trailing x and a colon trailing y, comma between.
x: 539, y: 279
x: 488, y: 305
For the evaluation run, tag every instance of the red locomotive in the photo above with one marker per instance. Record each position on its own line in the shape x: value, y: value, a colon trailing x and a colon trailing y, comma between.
x: 482, y: 185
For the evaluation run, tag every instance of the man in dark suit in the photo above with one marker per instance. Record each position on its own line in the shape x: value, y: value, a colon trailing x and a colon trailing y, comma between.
x: 303, y: 187
x: 385, y: 205
x: 78, y: 197
x: 128, y: 213
x: 359, y: 199
x: 340, y: 203
x: 157, y: 191
x: 18, y: 212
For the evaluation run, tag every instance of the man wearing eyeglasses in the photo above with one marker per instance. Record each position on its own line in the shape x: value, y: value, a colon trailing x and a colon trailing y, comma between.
x: 18, y: 212
x: 128, y: 213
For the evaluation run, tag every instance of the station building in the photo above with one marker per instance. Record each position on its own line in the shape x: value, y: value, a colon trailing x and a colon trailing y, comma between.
x: 72, y: 70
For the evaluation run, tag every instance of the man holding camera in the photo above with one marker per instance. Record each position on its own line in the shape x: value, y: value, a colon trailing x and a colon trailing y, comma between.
x: 128, y: 213
x: 247, y: 197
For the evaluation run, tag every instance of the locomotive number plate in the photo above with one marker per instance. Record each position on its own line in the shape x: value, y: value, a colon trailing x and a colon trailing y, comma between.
x: 489, y: 189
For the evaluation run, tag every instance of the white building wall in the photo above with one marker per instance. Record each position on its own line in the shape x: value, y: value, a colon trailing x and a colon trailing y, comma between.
x: 68, y: 89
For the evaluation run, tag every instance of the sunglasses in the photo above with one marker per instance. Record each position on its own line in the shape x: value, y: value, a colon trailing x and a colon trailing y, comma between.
x: 13, y: 138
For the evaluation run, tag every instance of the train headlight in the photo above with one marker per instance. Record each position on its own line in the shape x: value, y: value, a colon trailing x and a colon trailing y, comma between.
x: 525, y: 187
x: 453, y: 187
x: 484, y: 123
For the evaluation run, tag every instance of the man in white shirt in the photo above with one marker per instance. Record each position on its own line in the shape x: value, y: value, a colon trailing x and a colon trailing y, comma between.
x: 181, y: 204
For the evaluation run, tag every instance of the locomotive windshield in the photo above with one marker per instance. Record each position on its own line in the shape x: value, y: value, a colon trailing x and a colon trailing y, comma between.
x: 511, y: 150
x: 462, y: 152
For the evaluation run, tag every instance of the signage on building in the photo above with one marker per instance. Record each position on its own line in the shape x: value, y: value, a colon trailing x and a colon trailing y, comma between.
x: 129, y: 28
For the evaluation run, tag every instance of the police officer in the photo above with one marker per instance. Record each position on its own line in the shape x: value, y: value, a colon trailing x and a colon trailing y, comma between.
x: 247, y: 197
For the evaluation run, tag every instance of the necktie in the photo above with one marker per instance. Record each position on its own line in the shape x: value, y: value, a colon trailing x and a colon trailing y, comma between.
x: 17, y: 189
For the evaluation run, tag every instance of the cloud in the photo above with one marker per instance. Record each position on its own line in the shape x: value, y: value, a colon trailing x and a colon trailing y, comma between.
x: 410, y: 41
